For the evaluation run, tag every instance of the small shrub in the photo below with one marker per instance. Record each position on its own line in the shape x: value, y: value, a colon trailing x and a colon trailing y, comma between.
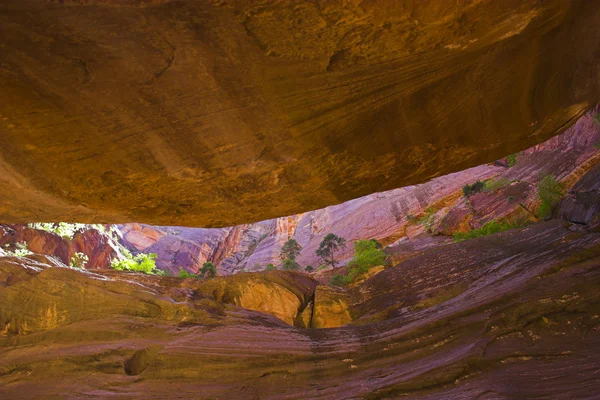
x: 79, y: 260
x: 271, y: 267
x: 290, y: 265
x: 550, y: 192
x: 183, y: 274
x: 496, y: 184
x: 411, y: 218
x: 338, y: 280
x: 140, y: 263
x: 367, y: 254
x: 487, y: 229
x: 17, y: 250
x: 477, y: 187
x: 309, y: 268
x: 321, y: 267
x: 428, y: 219
x: 597, y: 119
x: 512, y: 159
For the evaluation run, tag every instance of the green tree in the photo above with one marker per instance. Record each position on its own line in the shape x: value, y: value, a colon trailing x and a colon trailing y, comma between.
x: 290, y: 250
x: 309, y: 268
x: 271, y: 267
x: 329, y: 246
x: 208, y: 270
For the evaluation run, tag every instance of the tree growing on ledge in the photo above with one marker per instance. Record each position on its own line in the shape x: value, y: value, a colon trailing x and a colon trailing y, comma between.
x: 288, y: 254
x: 329, y: 246
x: 208, y: 270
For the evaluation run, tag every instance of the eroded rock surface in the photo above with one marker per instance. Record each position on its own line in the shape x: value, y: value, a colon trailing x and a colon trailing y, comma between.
x: 413, y: 217
x: 213, y: 113
x: 497, y: 314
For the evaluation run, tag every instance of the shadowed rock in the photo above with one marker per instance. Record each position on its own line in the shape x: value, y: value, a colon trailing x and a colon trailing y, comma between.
x: 212, y: 113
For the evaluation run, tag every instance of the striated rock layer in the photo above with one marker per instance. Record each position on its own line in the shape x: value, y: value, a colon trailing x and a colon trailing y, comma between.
x: 216, y: 113
x: 491, y: 317
x: 412, y: 217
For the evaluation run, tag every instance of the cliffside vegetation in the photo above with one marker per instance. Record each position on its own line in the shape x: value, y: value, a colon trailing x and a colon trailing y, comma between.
x: 550, y: 192
x: 367, y: 254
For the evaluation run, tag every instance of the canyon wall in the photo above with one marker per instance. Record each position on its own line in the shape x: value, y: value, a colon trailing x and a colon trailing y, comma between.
x: 407, y: 215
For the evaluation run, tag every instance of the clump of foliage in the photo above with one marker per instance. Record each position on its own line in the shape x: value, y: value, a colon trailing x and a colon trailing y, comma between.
x: 321, y: 267
x: 79, y: 260
x: 290, y: 250
x: 428, y: 218
x: 477, y: 187
x: 330, y: 244
x: 183, y: 274
x: 271, y: 267
x: 208, y: 270
x: 597, y: 119
x: 411, y: 218
x: 64, y: 229
x: 288, y: 254
x: 512, y: 159
x: 290, y: 265
x: 487, y: 229
x: 145, y: 263
x: 309, y: 268
x: 367, y: 254
x: 550, y: 192
x: 17, y: 250
x: 338, y: 280
x: 495, y: 184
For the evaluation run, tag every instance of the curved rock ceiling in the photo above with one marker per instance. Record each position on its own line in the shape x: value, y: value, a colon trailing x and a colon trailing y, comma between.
x: 215, y: 113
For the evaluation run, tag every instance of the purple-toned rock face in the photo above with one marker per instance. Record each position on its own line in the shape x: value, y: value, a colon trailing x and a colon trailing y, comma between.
x: 412, y: 213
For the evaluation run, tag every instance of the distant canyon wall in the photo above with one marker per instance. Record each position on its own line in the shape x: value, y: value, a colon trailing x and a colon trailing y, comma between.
x: 436, y: 208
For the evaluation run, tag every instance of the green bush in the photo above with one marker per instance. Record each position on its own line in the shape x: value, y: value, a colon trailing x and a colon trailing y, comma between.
x: 309, y: 268
x: 428, y: 218
x: 17, y: 250
x: 338, y: 280
x: 289, y: 265
x: 487, y: 229
x: 411, y: 218
x: 367, y: 254
x: 183, y: 274
x: 477, y: 187
x: 495, y: 184
x: 79, y: 260
x: 140, y: 263
x: 550, y: 192
x: 271, y: 267
x: 512, y: 159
